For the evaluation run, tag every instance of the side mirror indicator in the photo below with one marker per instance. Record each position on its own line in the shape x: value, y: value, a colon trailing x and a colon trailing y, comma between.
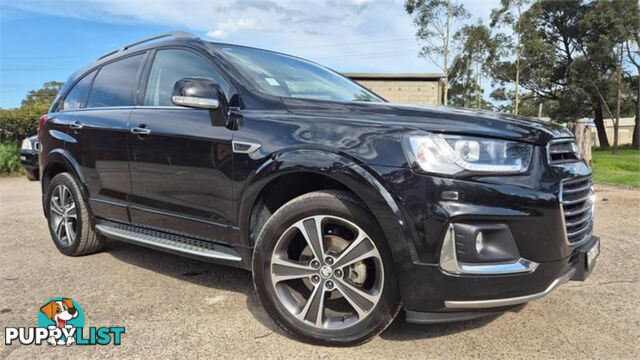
x: 195, y: 102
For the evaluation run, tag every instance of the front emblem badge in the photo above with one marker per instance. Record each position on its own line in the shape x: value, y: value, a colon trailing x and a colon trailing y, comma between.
x: 326, y: 271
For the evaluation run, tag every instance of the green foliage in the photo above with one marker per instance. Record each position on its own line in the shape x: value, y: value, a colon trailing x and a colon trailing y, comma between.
x: 9, y: 160
x: 430, y: 18
x: 620, y: 169
x: 471, y: 66
x: 44, y: 95
x: 436, y: 23
x: 19, y: 123
x: 568, y: 55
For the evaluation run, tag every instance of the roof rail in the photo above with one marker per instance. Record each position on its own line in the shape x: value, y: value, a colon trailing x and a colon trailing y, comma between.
x: 174, y: 34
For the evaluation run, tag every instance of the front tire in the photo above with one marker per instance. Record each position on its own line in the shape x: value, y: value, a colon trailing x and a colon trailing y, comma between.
x: 322, y: 270
x: 68, y: 218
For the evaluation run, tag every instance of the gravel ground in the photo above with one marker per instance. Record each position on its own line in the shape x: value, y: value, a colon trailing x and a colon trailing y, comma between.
x: 180, y: 308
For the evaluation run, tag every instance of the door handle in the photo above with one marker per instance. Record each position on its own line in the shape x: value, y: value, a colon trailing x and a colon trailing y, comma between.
x: 76, y: 125
x: 139, y: 130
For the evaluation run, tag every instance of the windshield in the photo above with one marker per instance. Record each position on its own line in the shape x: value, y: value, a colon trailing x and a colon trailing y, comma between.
x: 287, y: 76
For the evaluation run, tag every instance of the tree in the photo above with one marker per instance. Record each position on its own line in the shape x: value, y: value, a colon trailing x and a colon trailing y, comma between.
x: 436, y: 22
x: 634, y: 58
x: 568, y: 56
x: 608, y: 26
x: 524, y: 63
x: 44, y: 95
x: 510, y: 14
x: 472, y: 65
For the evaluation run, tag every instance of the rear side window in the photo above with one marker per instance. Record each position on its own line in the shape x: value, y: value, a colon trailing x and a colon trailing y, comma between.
x: 172, y: 65
x: 78, y: 93
x: 116, y: 83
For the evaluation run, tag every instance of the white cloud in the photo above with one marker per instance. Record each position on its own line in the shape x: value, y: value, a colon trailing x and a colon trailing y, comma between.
x: 233, y: 26
x: 348, y: 35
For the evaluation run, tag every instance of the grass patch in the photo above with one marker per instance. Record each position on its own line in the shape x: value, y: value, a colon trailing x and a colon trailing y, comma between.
x: 9, y: 159
x: 620, y: 169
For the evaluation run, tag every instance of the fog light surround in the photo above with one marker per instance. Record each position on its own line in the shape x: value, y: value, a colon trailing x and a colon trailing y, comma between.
x: 450, y: 263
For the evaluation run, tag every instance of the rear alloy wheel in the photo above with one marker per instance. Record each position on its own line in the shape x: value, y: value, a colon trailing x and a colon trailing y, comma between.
x: 325, y: 275
x: 69, y: 218
x: 63, y: 215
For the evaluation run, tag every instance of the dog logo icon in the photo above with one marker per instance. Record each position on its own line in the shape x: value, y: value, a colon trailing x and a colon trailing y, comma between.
x: 60, y: 311
x: 64, y: 314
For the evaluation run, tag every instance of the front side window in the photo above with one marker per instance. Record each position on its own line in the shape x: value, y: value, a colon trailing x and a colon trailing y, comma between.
x: 172, y: 65
x: 116, y: 83
x: 78, y: 94
x: 288, y: 76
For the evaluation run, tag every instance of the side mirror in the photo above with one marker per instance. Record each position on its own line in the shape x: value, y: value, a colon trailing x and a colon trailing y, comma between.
x: 197, y: 92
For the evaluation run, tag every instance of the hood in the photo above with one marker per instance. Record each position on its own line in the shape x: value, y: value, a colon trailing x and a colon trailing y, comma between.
x: 435, y: 119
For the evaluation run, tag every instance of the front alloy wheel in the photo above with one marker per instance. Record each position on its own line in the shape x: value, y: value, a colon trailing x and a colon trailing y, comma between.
x: 327, y: 272
x: 323, y: 272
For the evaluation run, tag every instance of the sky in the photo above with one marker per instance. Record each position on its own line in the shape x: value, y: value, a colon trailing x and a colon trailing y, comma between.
x: 45, y: 40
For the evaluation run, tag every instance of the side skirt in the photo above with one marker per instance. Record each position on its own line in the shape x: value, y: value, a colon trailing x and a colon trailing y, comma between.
x: 172, y: 243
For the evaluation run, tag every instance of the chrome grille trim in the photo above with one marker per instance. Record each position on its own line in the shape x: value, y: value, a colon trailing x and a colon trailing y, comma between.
x: 581, y: 221
x: 571, y: 191
x: 577, y: 201
x: 576, y: 205
x: 577, y: 212
x: 579, y: 231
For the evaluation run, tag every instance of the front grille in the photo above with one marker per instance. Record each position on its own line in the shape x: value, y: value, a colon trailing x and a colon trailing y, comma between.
x: 563, y: 151
x: 576, y: 197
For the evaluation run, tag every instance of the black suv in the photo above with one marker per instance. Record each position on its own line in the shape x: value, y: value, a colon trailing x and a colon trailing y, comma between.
x: 345, y: 207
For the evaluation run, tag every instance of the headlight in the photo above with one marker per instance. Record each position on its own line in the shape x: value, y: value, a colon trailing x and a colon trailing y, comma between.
x: 26, y: 145
x: 453, y: 154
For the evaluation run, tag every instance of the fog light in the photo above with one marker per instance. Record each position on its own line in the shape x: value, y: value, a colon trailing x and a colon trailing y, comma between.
x: 479, y: 242
x: 495, y: 250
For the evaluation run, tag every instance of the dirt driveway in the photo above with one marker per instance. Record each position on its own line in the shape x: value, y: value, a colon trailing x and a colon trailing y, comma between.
x: 179, y: 308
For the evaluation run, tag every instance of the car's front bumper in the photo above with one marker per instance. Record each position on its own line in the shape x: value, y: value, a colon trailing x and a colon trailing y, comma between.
x: 502, y: 292
x: 529, y: 207
x: 437, y: 291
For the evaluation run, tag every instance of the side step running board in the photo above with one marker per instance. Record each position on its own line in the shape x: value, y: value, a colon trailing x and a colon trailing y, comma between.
x: 177, y: 244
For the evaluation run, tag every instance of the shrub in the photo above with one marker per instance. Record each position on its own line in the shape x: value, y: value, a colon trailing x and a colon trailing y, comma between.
x: 19, y: 123
x: 9, y: 158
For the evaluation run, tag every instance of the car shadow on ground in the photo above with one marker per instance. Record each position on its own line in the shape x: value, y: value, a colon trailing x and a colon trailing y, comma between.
x: 237, y: 280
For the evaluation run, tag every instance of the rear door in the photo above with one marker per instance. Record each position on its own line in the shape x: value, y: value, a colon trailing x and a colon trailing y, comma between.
x: 100, y: 129
x: 60, y: 121
x: 181, y: 170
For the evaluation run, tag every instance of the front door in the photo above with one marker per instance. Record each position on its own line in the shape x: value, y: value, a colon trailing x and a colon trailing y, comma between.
x: 180, y: 163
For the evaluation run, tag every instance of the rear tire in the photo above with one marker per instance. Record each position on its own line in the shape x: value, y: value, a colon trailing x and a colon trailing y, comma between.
x: 68, y: 218
x: 355, y: 285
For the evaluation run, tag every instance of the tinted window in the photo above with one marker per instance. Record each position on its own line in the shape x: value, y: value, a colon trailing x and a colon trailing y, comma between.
x: 288, y: 76
x: 170, y: 66
x: 115, y: 83
x: 76, y: 96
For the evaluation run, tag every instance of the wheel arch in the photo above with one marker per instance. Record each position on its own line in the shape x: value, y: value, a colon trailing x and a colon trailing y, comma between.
x: 327, y: 171
x: 58, y: 161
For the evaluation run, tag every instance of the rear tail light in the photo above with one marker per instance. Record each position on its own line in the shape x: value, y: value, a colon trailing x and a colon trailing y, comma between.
x: 41, y: 122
